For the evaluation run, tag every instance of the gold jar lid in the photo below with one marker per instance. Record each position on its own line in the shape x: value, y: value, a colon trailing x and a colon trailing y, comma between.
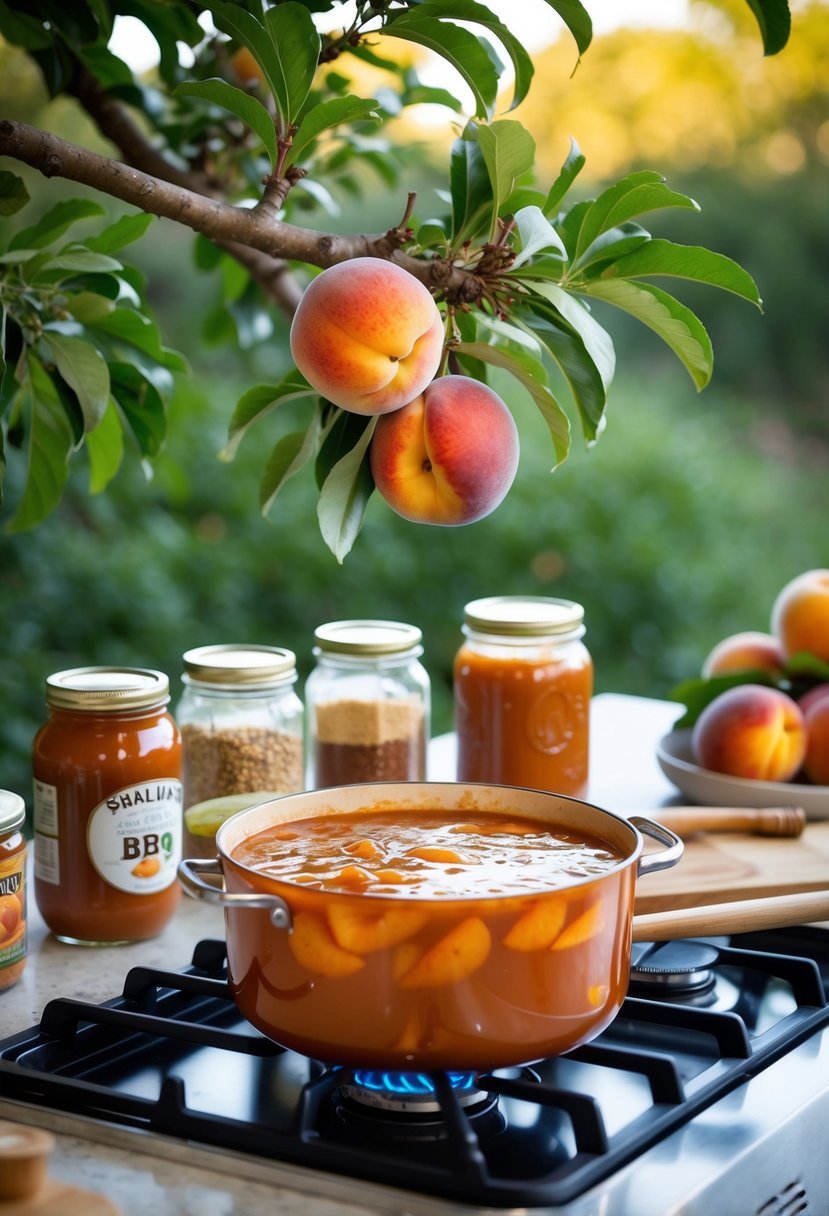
x: 239, y: 667
x: 12, y: 812
x: 107, y: 689
x: 368, y: 638
x: 524, y: 616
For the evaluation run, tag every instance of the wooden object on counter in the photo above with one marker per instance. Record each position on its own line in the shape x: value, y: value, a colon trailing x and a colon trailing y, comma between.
x: 766, y: 821
x: 25, y: 1189
x: 719, y: 867
x: 741, y: 916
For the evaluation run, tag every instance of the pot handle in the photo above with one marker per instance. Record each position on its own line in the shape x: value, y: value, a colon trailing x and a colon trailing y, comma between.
x: 189, y: 875
x: 674, y: 847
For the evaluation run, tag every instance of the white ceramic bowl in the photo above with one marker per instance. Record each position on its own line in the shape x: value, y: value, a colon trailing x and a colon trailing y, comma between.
x: 706, y: 788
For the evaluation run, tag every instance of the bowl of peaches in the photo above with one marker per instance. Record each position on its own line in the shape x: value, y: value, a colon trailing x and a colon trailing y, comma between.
x: 756, y: 728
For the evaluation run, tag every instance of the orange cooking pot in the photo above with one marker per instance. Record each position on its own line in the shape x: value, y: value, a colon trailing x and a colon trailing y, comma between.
x: 552, y: 975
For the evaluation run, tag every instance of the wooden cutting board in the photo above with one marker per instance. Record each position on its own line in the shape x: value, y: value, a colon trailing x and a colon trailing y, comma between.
x: 719, y: 867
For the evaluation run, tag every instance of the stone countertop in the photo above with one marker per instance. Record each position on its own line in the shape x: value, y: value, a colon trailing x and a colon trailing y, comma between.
x: 132, y: 1170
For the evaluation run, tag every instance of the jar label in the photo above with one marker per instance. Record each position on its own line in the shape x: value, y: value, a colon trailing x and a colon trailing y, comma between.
x: 134, y: 836
x: 12, y: 911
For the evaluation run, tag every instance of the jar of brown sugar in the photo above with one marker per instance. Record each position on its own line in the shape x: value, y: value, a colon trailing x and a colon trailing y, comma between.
x: 241, y: 724
x: 368, y: 703
x: 12, y: 888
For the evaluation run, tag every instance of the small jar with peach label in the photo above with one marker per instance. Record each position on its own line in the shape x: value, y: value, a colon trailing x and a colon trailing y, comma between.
x: 523, y: 680
x: 12, y: 888
x: 107, y: 806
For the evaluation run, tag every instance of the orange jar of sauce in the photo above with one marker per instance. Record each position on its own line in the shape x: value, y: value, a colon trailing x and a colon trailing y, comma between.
x: 523, y: 680
x: 107, y: 806
x: 12, y: 888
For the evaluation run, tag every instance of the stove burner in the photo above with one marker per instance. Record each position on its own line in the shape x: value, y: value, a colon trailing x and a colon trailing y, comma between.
x: 408, y: 1107
x: 408, y: 1092
x: 680, y: 970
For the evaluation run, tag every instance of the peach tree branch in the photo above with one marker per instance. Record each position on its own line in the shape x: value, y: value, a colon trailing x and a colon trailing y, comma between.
x: 224, y: 223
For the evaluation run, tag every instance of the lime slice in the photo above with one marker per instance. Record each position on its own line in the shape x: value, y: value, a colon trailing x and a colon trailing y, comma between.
x: 205, y: 818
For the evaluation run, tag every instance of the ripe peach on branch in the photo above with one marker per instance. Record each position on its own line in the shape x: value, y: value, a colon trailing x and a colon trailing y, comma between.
x: 367, y: 335
x: 449, y: 456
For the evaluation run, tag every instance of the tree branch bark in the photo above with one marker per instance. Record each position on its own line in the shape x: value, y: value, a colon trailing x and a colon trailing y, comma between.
x: 116, y: 124
x: 224, y: 223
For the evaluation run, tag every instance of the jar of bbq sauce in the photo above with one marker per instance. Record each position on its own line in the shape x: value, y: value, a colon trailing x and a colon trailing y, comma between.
x: 523, y: 680
x: 12, y: 888
x: 107, y: 806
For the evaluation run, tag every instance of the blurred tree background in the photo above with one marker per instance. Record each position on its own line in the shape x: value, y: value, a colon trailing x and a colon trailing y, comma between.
x: 677, y: 531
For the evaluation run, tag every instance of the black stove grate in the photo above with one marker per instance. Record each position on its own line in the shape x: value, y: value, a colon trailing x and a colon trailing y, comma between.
x: 167, y: 1054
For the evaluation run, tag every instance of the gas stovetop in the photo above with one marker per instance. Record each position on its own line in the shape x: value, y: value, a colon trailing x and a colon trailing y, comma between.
x: 710, y: 1087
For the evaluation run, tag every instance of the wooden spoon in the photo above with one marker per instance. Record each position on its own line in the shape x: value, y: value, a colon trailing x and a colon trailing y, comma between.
x: 769, y: 821
x: 736, y: 916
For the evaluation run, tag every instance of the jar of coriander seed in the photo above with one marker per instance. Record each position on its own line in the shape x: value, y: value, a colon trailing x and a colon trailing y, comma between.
x: 242, y: 725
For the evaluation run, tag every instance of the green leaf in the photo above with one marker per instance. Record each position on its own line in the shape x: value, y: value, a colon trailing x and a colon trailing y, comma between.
x: 330, y: 114
x: 206, y: 255
x: 124, y: 231
x: 85, y: 371
x: 344, y: 496
x: 536, y: 233
x: 13, y: 193
x: 698, y: 692
x: 775, y: 22
x: 610, y: 247
x: 49, y: 441
x: 252, y: 113
x: 457, y: 46
x: 596, y: 339
x: 694, y: 262
x: 471, y: 10
x: 808, y: 665
x: 551, y: 411
x: 577, y: 19
x: 633, y: 195
x: 141, y: 406
x: 138, y: 331
x: 105, y: 450
x: 242, y: 26
x: 568, y: 173
x: 470, y: 187
x: 259, y: 401
x: 87, y: 307
x: 18, y: 256
x: 23, y: 30
x: 509, y: 151
x: 675, y: 324
x: 296, y: 45
x: 290, y: 454
x: 55, y: 222
x: 76, y: 261
x: 567, y: 350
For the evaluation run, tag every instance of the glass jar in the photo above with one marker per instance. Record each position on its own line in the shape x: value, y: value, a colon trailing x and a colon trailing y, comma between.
x: 368, y: 701
x: 107, y: 806
x: 523, y: 680
x: 12, y: 888
x: 241, y: 724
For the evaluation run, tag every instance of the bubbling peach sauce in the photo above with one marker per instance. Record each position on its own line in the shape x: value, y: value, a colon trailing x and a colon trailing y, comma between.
x: 422, y: 855
x: 422, y: 938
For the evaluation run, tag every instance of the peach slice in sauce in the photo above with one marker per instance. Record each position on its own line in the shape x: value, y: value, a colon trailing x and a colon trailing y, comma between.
x: 585, y: 926
x: 454, y: 958
x: 313, y: 947
x: 538, y: 927
x: 365, y: 932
